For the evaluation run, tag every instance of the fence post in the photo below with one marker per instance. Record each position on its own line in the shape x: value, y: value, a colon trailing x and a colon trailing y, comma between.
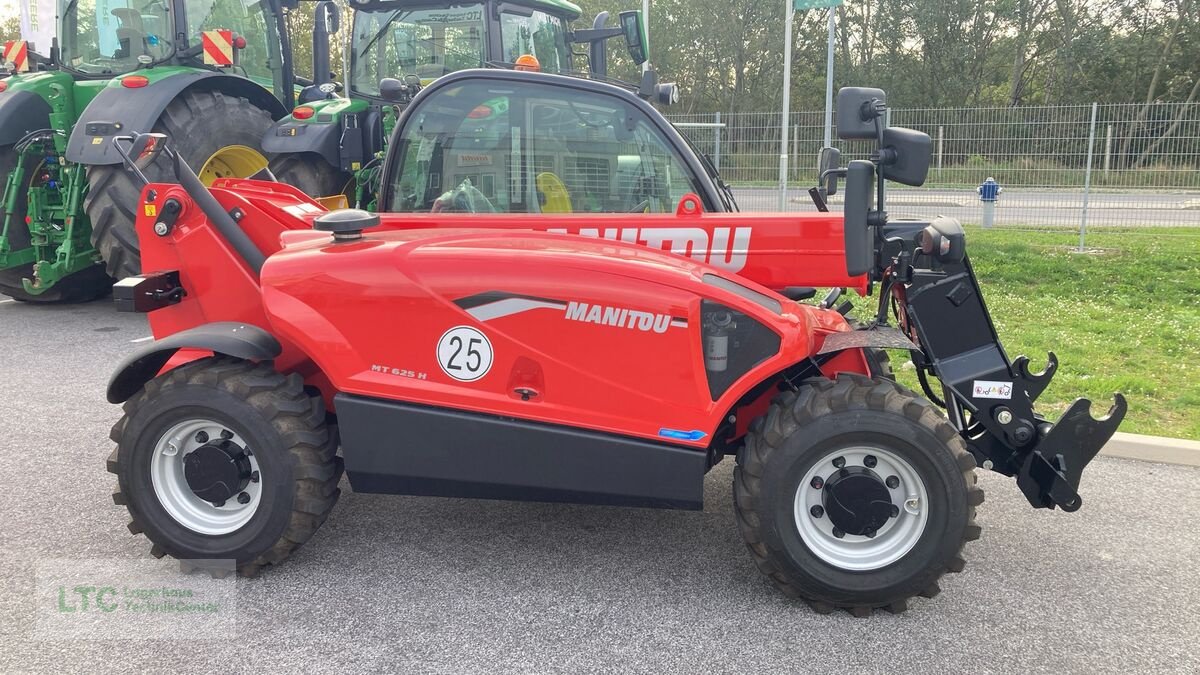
x: 1107, y: 149
x: 939, y: 153
x: 796, y: 150
x: 717, y: 142
x: 1087, y: 179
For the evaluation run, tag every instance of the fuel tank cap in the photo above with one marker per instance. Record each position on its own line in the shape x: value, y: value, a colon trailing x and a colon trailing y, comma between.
x: 346, y: 224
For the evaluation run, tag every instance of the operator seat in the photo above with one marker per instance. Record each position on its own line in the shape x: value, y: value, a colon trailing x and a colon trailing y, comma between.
x: 553, y: 194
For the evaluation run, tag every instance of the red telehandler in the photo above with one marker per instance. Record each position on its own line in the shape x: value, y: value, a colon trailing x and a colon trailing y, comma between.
x: 462, y: 354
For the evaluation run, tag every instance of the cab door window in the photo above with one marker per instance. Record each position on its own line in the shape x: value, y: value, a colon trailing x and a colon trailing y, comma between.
x: 494, y: 147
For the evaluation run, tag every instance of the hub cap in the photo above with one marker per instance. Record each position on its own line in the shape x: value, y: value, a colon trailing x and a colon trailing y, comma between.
x: 861, y: 508
x: 205, y: 477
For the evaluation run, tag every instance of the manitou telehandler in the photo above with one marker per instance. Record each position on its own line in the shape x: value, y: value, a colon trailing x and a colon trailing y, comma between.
x: 456, y: 354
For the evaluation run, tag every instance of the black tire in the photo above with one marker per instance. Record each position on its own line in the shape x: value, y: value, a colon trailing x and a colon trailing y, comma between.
x: 825, y: 415
x: 87, y: 284
x: 283, y: 424
x: 198, y: 123
x: 313, y: 175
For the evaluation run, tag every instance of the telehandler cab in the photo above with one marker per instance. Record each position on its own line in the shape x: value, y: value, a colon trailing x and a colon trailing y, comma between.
x: 455, y: 354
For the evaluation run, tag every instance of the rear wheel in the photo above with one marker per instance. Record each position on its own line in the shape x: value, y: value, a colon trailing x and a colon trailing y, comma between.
x: 223, y: 459
x: 313, y: 175
x: 87, y: 284
x: 219, y: 136
x: 855, y: 493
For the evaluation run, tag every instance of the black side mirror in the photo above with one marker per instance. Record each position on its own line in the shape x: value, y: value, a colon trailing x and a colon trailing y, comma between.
x: 905, y: 155
x: 858, y: 108
x: 944, y: 240
x: 828, y: 162
x: 325, y: 23
x: 392, y: 89
x: 634, y: 29
x: 860, y: 194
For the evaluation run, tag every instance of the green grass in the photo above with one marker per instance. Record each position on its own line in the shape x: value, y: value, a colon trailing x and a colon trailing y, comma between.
x: 1124, y: 317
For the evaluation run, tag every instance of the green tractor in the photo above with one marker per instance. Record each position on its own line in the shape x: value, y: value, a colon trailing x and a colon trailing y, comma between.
x: 335, y: 143
x: 211, y: 74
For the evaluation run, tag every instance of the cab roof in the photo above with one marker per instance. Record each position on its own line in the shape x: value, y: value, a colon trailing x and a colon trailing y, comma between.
x: 564, y: 8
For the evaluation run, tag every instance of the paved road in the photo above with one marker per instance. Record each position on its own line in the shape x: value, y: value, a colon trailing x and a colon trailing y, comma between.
x: 443, y: 585
x: 1016, y: 207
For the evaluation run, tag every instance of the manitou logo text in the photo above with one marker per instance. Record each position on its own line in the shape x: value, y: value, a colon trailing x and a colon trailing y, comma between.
x: 726, y: 249
x: 621, y: 317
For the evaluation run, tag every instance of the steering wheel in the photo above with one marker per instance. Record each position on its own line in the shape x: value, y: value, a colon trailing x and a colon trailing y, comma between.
x: 641, y: 207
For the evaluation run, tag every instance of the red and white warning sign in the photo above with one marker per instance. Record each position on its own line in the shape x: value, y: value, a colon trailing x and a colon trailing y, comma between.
x: 17, y: 53
x: 218, y: 47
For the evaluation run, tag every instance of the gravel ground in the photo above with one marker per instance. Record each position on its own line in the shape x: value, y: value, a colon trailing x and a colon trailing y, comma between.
x: 447, y: 585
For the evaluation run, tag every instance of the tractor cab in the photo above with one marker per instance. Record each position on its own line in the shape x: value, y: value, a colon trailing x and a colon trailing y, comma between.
x: 498, y: 141
x: 101, y: 40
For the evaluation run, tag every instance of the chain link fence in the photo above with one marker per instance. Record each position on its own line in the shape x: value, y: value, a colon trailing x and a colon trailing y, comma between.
x: 1077, y: 166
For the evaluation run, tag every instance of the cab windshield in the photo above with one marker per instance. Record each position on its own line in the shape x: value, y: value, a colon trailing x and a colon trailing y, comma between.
x: 105, y: 37
x: 427, y: 43
x: 261, y: 59
x: 484, y: 147
x: 537, y: 33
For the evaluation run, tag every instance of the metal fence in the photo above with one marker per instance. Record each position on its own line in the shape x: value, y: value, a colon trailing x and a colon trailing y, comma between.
x: 1075, y: 166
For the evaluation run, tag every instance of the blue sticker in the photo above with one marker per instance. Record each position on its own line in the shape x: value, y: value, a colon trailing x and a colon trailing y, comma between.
x: 694, y: 435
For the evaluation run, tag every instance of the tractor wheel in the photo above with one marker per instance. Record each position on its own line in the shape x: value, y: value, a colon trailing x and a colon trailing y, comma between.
x: 855, y: 493
x: 223, y: 459
x: 217, y: 135
x: 313, y: 175
x: 82, y: 286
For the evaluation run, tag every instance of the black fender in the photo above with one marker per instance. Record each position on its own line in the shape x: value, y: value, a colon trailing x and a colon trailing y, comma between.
x: 229, y: 338
x: 881, y: 337
x: 137, y: 110
x: 287, y: 137
x: 20, y: 113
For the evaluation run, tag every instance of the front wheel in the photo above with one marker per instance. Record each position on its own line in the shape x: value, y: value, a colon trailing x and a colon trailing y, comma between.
x: 225, y: 460
x: 855, y: 493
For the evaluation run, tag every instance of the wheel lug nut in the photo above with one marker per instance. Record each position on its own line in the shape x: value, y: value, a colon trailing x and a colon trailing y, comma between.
x: 817, y: 511
x: 219, y: 504
x: 838, y: 533
x: 869, y: 461
x: 893, y: 482
x: 243, y: 498
x: 839, y: 462
x: 817, y: 482
x: 226, y: 434
x: 870, y: 534
x: 895, y: 510
x: 254, y: 477
x: 201, y: 437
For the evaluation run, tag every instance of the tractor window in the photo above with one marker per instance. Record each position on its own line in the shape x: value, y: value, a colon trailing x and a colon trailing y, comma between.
x: 540, y: 34
x: 427, y: 43
x: 105, y: 37
x: 481, y: 147
x: 250, y: 19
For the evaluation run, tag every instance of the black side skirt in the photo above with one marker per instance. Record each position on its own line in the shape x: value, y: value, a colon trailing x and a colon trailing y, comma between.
x: 399, y: 448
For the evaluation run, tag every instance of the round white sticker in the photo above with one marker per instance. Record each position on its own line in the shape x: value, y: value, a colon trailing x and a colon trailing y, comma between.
x: 464, y: 353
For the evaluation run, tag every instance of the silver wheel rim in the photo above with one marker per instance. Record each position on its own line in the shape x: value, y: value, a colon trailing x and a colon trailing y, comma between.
x: 891, y: 541
x: 177, y: 498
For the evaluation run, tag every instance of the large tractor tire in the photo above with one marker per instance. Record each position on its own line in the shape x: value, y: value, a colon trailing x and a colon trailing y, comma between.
x: 225, y: 460
x: 219, y: 136
x: 82, y: 286
x: 855, y: 493
x: 313, y: 175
